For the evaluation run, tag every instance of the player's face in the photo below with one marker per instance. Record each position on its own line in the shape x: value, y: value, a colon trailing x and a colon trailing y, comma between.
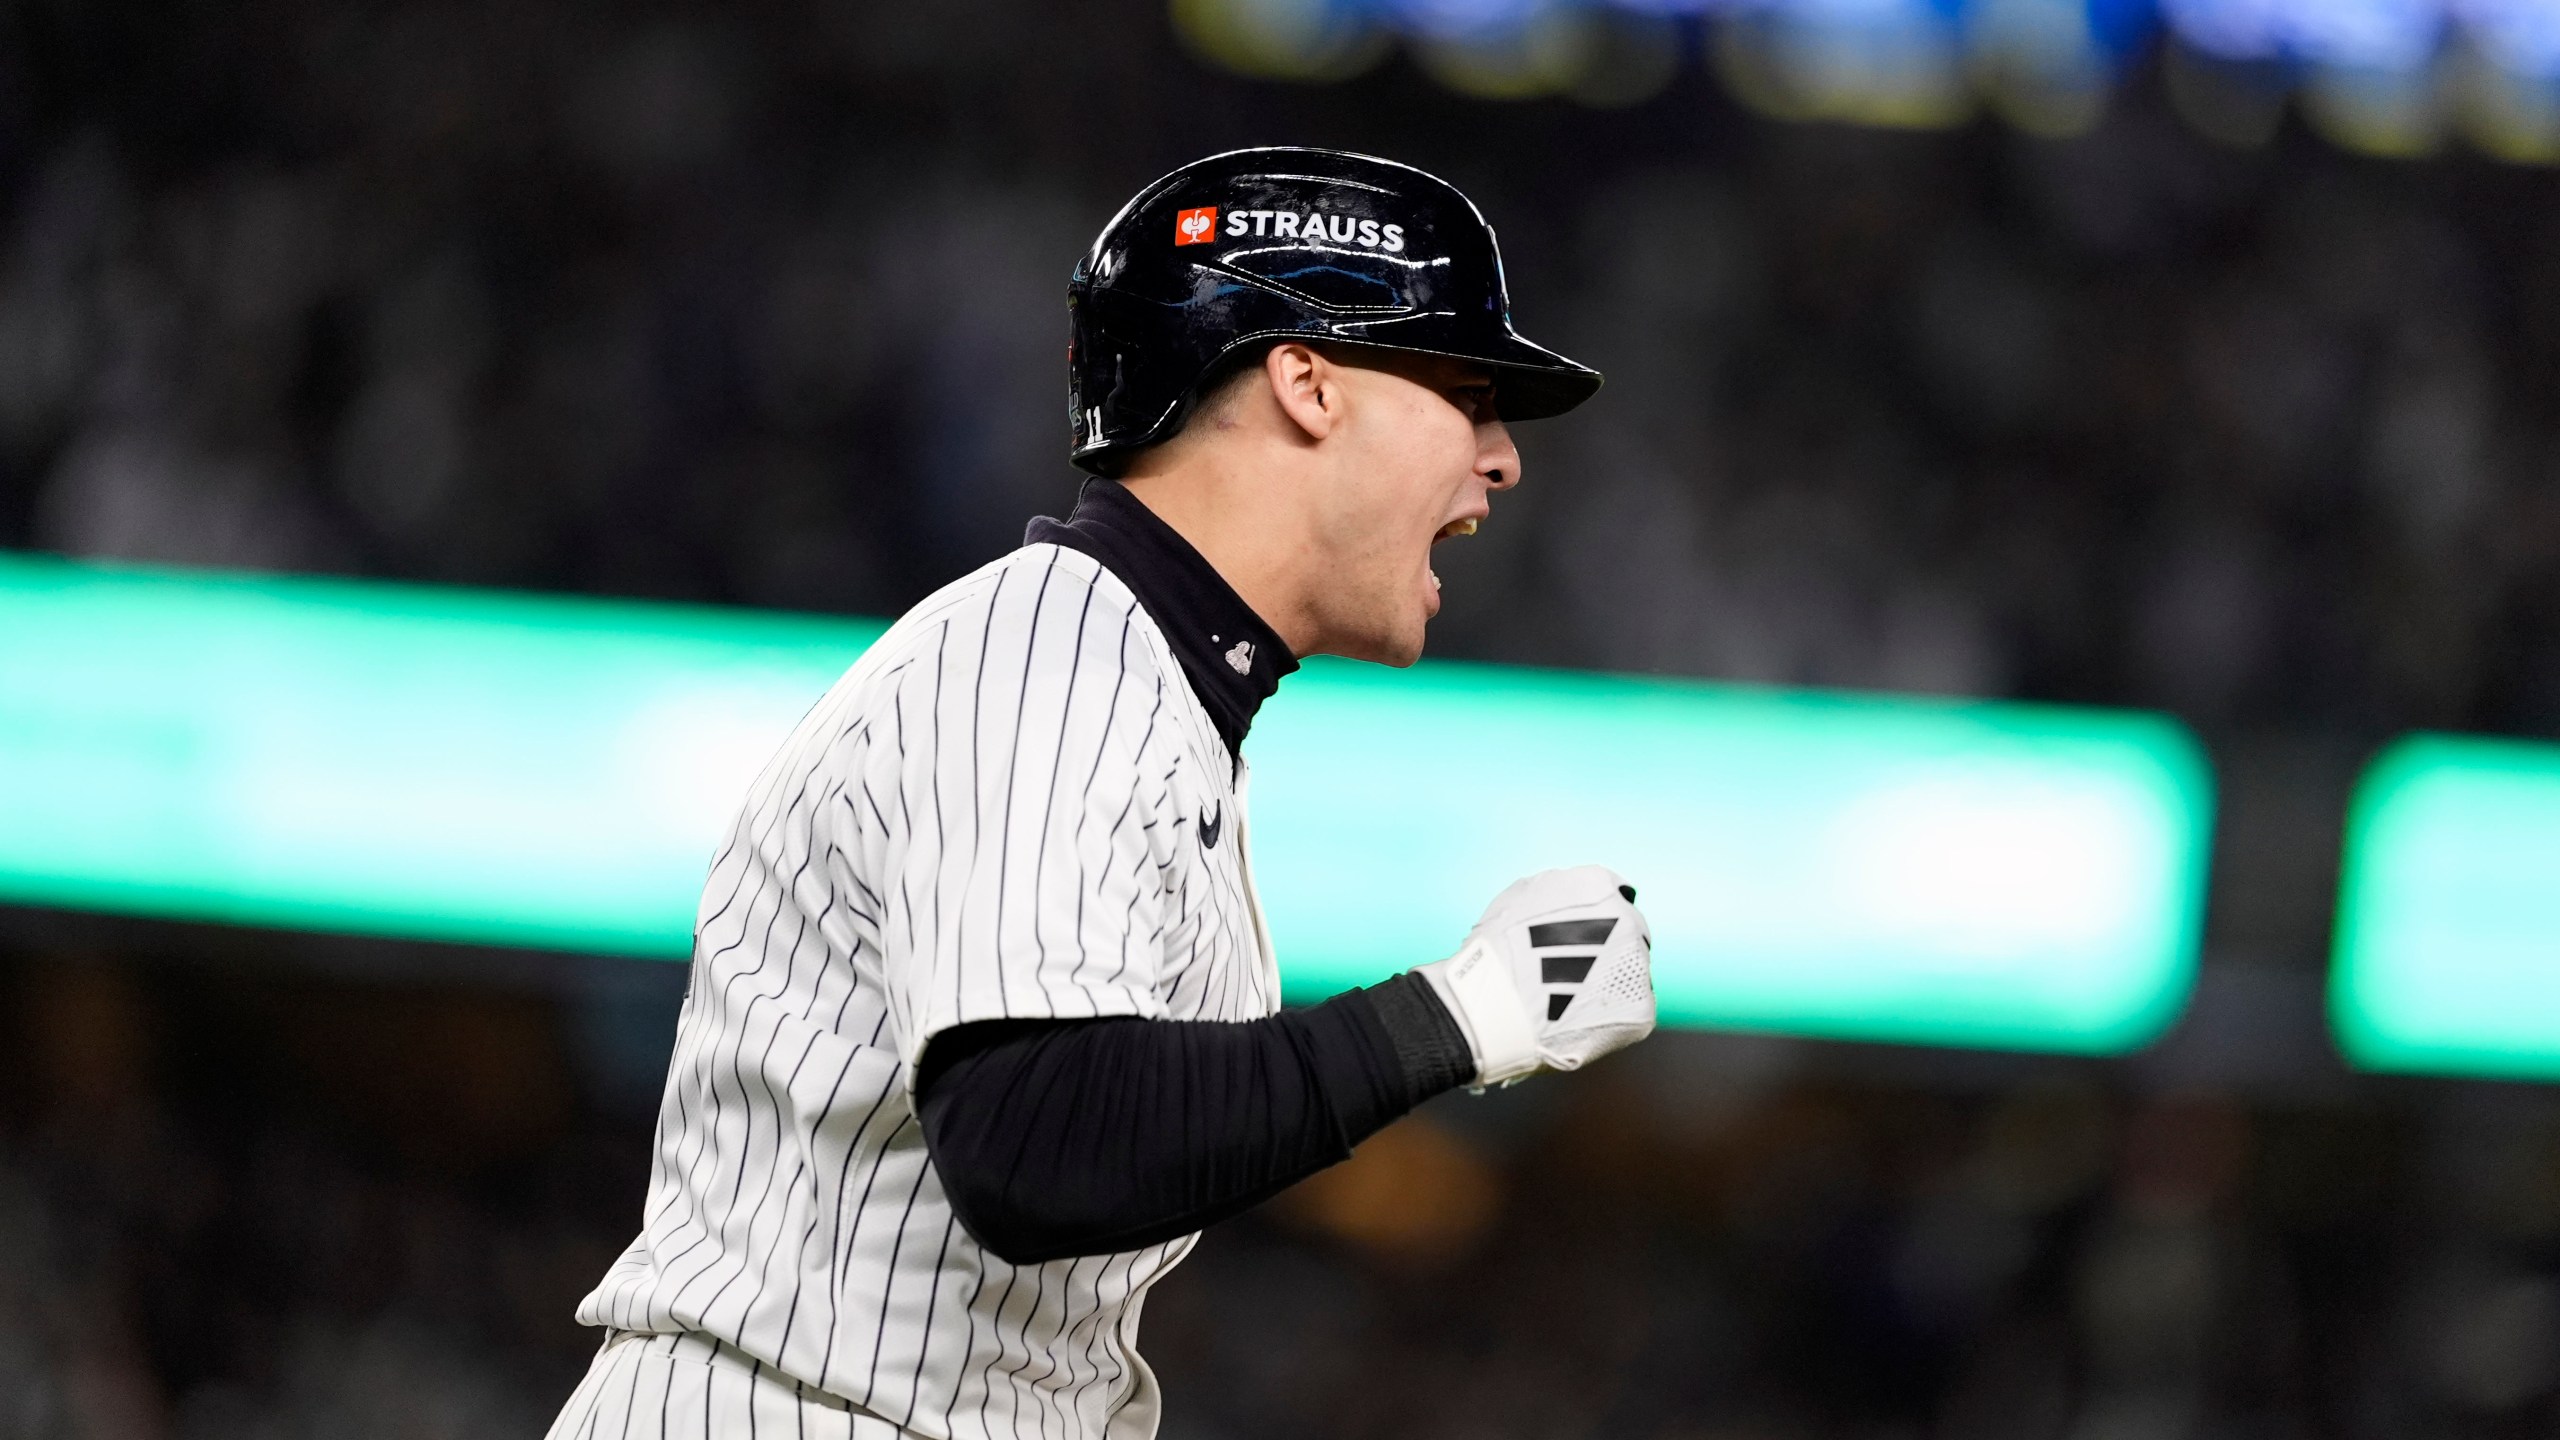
x: 1422, y: 454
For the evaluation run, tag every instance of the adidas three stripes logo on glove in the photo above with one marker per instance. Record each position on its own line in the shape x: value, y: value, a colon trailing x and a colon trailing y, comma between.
x: 1558, y: 973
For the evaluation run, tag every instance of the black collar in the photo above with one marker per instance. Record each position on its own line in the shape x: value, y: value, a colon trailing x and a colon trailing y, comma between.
x: 1233, y: 659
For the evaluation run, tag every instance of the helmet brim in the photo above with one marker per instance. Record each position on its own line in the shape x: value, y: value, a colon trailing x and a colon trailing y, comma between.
x: 1535, y: 383
x: 1531, y: 382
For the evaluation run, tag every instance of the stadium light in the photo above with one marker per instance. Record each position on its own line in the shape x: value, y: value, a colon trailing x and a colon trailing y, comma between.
x: 555, y: 772
x: 2383, y: 77
x: 2522, y: 36
x: 2448, y: 933
x: 1958, y: 873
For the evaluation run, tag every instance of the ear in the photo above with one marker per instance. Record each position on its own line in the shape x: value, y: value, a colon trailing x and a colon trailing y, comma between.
x: 1307, y: 387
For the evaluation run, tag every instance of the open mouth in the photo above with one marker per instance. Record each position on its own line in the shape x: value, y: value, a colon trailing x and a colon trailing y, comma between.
x: 1464, y: 525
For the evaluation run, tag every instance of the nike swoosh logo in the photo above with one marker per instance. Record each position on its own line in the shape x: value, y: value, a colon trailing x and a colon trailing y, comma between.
x: 1209, y: 826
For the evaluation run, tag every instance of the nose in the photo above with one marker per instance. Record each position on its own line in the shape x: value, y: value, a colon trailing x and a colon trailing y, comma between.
x: 1497, y: 459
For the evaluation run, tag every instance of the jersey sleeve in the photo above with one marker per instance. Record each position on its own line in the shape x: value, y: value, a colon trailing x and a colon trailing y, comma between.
x: 1015, y: 822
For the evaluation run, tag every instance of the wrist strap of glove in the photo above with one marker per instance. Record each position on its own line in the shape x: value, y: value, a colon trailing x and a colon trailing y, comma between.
x: 1475, y: 986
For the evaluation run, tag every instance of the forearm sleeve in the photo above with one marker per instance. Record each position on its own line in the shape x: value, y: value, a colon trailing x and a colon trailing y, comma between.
x: 1080, y: 1137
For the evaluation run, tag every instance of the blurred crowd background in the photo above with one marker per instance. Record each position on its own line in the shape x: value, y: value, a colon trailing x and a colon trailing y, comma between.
x: 762, y: 303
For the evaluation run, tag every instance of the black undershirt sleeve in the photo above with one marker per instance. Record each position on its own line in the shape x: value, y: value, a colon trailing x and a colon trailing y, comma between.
x: 1056, y: 1138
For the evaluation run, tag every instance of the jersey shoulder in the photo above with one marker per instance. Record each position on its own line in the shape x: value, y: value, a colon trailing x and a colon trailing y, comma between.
x: 1042, y: 614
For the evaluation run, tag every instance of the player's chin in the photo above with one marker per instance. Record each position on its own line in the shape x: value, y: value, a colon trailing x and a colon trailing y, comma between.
x: 1393, y: 650
x: 1405, y: 646
x: 1400, y: 654
x: 1396, y: 642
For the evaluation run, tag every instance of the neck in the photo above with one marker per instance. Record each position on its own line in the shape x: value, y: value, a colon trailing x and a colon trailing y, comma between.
x: 1230, y: 518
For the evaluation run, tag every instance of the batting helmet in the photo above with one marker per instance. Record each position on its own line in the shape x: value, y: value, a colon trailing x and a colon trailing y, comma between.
x: 1287, y: 243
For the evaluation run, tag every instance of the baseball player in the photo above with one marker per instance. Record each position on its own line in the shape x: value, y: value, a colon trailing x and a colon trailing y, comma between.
x: 984, y: 1022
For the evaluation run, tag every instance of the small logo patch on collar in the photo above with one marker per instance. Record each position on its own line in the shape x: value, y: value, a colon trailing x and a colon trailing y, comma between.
x: 1241, y: 657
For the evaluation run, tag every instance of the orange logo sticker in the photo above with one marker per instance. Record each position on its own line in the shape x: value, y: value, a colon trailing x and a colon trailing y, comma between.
x: 1196, y: 227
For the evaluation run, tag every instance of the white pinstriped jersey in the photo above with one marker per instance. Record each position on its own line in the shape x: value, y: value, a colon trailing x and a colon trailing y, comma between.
x: 1013, y: 806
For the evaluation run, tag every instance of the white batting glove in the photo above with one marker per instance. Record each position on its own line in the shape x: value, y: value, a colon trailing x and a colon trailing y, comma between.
x: 1558, y: 973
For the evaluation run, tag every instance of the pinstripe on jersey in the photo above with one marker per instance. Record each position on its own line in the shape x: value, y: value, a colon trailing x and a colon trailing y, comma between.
x: 683, y: 1387
x: 1011, y: 807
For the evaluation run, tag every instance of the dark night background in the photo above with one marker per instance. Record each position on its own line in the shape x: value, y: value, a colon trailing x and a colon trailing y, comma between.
x: 762, y: 304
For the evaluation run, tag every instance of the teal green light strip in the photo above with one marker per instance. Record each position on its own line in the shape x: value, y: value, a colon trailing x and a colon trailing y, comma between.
x: 384, y: 759
x: 2448, y: 934
x: 1953, y: 873
x: 554, y: 772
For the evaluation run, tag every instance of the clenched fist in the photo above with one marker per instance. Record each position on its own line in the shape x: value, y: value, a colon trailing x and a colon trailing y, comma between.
x: 1558, y: 973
